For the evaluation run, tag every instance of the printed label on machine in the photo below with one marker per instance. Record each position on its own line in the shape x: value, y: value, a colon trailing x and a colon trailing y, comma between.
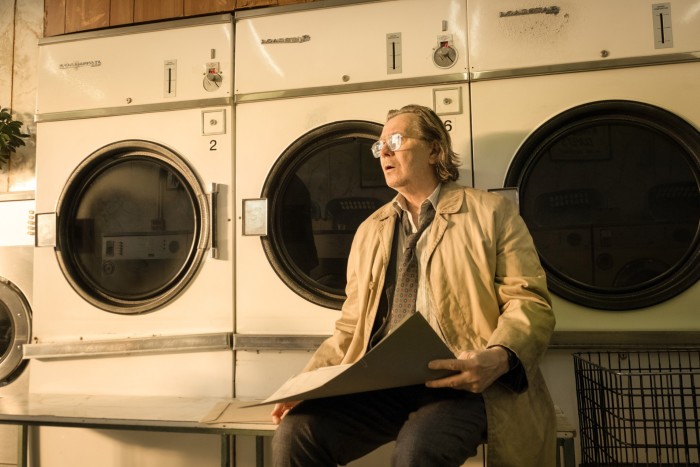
x: 129, y: 247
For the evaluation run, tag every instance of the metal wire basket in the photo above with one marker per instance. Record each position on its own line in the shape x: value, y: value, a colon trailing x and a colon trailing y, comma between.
x: 639, y: 408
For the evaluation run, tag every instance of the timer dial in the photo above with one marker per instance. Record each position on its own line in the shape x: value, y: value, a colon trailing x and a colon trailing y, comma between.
x: 444, y: 56
x: 212, y: 81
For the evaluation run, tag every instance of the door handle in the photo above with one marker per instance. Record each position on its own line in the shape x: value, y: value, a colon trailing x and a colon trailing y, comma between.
x: 212, y: 197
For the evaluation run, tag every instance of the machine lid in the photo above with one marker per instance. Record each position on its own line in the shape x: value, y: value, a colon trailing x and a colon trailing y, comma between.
x: 610, y: 191
x: 319, y: 191
x: 132, y: 227
x: 15, y: 330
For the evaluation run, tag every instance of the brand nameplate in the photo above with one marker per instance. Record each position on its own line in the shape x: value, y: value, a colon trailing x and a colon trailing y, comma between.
x: 79, y: 64
x: 546, y: 10
x: 287, y: 40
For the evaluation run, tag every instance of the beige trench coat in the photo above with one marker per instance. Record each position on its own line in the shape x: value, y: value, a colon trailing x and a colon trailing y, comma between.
x: 488, y: 288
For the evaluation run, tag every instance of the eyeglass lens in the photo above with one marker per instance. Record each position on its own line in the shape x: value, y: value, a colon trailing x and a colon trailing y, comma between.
x: 393, y: 142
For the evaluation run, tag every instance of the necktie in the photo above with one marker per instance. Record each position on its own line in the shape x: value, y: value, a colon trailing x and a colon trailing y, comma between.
x: 404, y: 302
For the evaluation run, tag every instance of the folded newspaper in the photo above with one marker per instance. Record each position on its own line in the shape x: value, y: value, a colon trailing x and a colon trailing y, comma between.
x: 400, y: 359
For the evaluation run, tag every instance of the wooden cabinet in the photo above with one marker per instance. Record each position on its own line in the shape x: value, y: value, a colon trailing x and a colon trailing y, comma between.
x: 152, y: 10
x: 66, y: 16
x: 121, y: 12
x: 202, y: 7
x: 254, y: 3
x: 54, y: 17
x: 86, y: 14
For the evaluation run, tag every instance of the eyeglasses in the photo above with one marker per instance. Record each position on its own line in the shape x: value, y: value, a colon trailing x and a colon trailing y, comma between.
x: 393, y: 142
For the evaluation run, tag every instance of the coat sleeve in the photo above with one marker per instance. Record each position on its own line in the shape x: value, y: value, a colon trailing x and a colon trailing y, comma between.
x: 526, y: 318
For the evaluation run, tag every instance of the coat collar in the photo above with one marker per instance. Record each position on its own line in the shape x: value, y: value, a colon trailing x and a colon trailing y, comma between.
x: 450, y: 202
x: 452, y: 198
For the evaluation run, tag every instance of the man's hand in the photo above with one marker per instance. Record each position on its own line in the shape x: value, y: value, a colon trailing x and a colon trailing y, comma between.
x: 478, y: 369
x: 280, y: 410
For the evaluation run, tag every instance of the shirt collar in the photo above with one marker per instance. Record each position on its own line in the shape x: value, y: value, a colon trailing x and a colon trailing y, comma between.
x: 400, y: 202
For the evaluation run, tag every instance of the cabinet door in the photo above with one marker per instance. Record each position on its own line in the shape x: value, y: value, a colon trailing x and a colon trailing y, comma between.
x: 254, y: 3
x: 150, y: 10
x: 86, y: 14
x: 202, y: 7
x: 54, y: 17
x: 121, y: 12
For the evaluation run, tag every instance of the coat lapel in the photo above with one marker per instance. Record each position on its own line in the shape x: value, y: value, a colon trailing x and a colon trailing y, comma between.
x: 387, y: 220
x: 450, y: 202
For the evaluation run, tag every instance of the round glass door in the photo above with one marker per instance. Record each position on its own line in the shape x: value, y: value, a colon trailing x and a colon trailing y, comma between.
x: 132, y: 227
x: 319, y: 191
x: 15, y: 331
x: 611, y: 194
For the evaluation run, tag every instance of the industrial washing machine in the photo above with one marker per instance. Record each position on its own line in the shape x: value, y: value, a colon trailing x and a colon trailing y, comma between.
x: 305, y: 176
x: 313, y: 86
x: 16, y: 253
x: 598, y: 130
x: 134, y: 241
x: 600, y: 134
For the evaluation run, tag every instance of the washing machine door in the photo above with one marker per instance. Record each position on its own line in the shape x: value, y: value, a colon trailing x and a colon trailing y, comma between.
x: 132, y: 227
x: 318, y: 192
x: 15, y: 330
x: 610, y: 191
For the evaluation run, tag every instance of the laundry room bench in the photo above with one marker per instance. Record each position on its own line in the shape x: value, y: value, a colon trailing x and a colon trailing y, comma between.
x: 171, y: 414
x: 566, y: 455
x: 131, y: 413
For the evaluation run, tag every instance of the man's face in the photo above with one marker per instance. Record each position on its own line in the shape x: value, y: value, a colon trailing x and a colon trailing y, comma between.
x: 411, y: 165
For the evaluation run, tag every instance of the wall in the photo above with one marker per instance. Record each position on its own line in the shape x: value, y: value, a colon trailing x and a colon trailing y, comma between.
x: 20, y: 29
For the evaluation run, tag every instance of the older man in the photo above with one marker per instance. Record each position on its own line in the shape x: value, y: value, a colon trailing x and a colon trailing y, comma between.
x: 465, y: 260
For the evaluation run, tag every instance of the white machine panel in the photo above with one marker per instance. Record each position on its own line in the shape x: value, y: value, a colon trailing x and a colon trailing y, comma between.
x: 519, y: 34
x: 15, y: 218
x: 206, y: 305
x: 104, y: 72
x: 494, y: 147
x: 16, y: 248
x: 264, y: 304
x: 310, y: 49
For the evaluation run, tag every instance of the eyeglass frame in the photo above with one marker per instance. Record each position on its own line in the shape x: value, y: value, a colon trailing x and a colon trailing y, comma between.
x: 378, y: 146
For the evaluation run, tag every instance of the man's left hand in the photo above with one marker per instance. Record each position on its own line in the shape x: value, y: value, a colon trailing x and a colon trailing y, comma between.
x: 478, y: 369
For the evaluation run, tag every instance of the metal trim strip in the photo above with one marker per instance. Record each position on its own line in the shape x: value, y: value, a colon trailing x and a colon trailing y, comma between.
x: 128, y: 346
x: 560, y: 340
x: 626, y: 339
x: 17, y: 195
x: 276, y: 342
x: 130, y: 110
x: 140, y: 28
x: 454, y: 78
x: 586, y: 66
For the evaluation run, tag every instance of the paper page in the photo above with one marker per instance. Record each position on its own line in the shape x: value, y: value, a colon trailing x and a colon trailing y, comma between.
x: 238, y: 412
x: 400, y: 359
x: 305, y: 382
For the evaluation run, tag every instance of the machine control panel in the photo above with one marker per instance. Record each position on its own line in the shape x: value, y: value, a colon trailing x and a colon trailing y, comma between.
x: 170, y: 78
x: 445, y: 54
x: 661, y: 14
x: 447, y: 101
x: 393, y: 53
x: 212, y: 77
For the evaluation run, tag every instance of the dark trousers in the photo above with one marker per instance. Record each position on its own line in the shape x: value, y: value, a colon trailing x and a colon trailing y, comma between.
x: 432, y: 427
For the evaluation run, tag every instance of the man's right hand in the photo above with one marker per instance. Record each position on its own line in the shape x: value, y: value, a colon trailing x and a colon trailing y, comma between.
x: 280, y: 410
